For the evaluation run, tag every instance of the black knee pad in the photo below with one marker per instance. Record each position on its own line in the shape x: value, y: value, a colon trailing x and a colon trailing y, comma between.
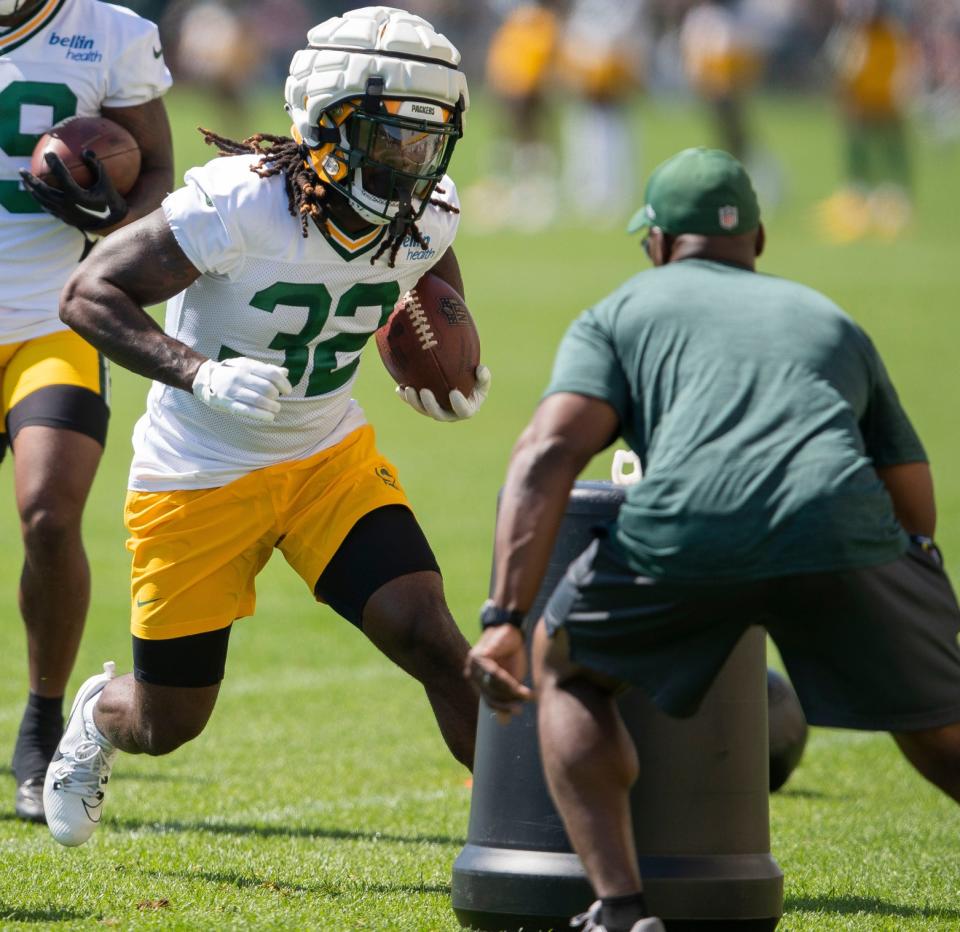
x: 192, y: 661
x: 383, y: 545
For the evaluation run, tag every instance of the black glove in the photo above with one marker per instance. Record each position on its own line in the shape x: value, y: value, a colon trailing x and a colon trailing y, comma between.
x: 89, y: 209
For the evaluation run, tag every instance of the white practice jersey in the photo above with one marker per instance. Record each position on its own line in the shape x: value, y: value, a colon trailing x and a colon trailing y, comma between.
x: 71, y: 58
x: 268, y: 293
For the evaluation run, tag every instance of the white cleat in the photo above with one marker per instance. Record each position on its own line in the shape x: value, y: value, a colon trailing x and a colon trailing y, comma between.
x: 74, y: 788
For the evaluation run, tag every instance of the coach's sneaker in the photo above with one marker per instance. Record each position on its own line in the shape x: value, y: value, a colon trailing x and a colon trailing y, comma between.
x: 28, y: 802
x: 590, y: 922
x: 77, y: 775
x: 41, y: 728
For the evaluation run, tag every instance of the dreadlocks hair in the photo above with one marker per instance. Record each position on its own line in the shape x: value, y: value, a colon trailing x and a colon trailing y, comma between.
x: 306, y: 193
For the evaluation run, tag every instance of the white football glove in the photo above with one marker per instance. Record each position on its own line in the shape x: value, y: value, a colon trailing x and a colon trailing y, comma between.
x: 246, y: 388
x: 463, y: 406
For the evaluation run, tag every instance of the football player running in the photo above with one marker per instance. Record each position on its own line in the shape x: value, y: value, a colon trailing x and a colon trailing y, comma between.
x: 58, y: 59
x: 281, y: 260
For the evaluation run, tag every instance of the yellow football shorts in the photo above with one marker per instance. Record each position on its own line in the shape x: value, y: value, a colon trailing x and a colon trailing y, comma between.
x: 57, y: 380
x: 196, y: 553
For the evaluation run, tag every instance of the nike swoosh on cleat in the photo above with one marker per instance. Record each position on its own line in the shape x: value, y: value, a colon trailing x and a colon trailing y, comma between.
x: 141, y: 603
x: 98, y: 809
x: 99, y: 214
x: 157, y: 53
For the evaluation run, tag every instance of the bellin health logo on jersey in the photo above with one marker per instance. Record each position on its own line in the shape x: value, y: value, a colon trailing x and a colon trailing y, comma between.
x: 79, y: 47
x: 416, y: 252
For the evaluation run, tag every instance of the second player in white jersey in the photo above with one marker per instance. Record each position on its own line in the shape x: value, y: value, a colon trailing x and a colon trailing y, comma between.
x: 70, y: 58
x: 267, y: 293
x: 61, y: 59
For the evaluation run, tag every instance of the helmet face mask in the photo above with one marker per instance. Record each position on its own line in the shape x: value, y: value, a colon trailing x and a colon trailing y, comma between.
x: 394, y: 162
x: 377, y: 102
x: 385, y: 163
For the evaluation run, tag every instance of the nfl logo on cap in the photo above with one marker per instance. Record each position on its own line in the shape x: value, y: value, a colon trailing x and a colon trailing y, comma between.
x: 704, y: 192
x: 729, y: 217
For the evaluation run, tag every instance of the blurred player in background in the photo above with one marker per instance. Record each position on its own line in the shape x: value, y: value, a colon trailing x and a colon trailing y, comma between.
x: 57, y: 60
x: 281, y: 261
x: 601, y: 58
x: 725, y: 46
x: 939, y: 30
x: 215, y: 49
x: 723, y: 64
x: 521, y: 190
x: 876, y: 65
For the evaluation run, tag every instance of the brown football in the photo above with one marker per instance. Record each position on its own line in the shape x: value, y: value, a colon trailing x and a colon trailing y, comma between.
x: 111, y: 143
x: 430, y: 340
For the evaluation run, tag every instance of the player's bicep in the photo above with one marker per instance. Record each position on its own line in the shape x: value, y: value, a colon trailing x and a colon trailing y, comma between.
x: 574, y: 426
x: 447, y: 268
x: 149, y: 125
x: 104, y: 301
x: 144, y: 261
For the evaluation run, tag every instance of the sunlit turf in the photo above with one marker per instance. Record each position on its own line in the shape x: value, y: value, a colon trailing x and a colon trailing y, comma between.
x: 320, y: 795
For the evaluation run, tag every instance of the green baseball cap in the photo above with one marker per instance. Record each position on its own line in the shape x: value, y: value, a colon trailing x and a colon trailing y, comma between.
x: 705, y: 191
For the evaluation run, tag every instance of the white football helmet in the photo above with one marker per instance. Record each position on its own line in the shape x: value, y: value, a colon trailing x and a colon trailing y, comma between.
x: 377, y: 102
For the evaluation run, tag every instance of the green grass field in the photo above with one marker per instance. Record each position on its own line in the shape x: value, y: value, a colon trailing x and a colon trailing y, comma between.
x: 321, y: 795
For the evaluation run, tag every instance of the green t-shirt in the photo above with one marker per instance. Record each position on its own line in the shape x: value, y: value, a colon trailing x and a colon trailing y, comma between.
x: 758, y: 410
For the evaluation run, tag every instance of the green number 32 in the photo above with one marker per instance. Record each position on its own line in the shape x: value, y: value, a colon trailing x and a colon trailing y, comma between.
x: 327, y: 373
x: 59, y: 101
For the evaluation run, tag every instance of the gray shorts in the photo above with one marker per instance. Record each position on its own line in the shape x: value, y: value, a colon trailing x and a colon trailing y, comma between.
x: 872, y: 648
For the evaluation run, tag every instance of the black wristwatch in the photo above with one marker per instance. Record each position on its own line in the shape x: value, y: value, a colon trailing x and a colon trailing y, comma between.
x: 492, y: 616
